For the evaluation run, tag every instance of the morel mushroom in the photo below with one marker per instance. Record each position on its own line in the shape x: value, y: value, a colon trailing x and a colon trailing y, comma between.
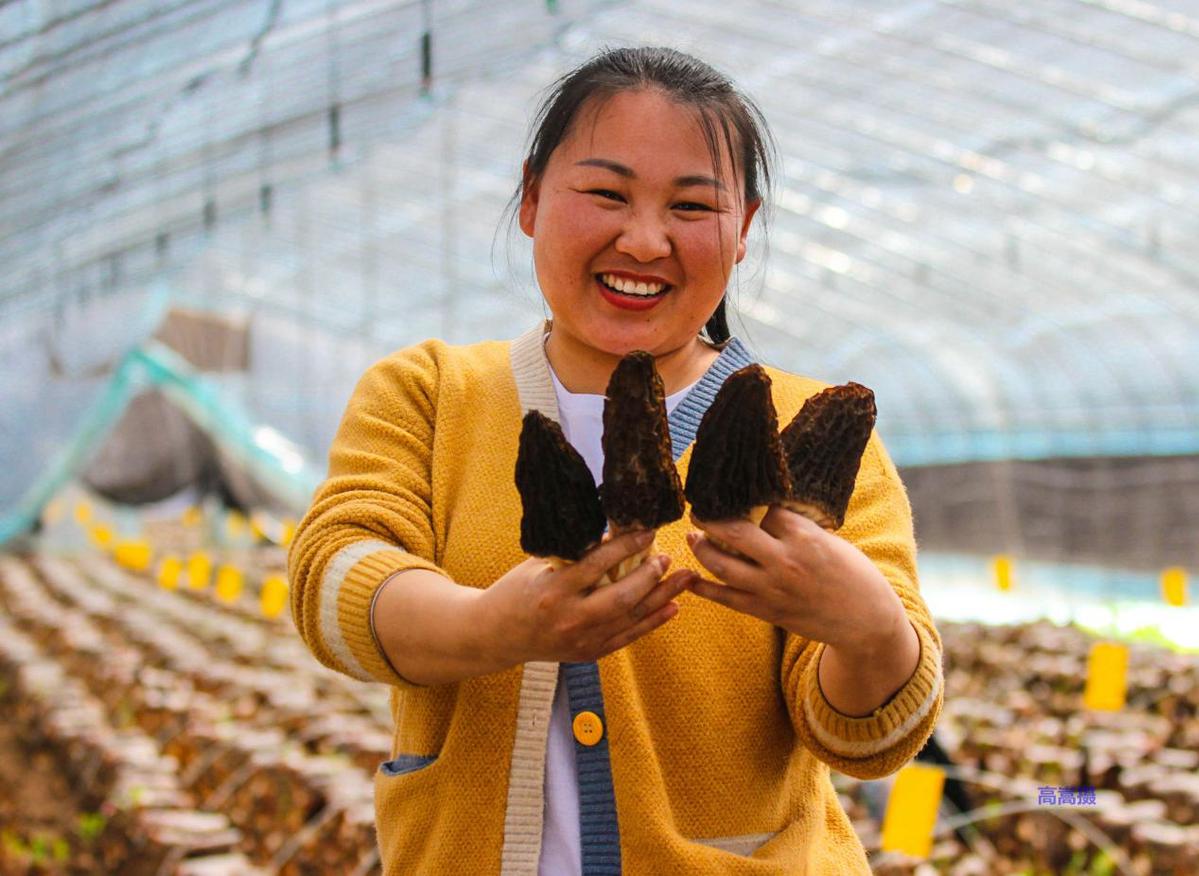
x: 738, y: 469
x: 562, y: 516
x: 641, y: 488
x: 824, y: 445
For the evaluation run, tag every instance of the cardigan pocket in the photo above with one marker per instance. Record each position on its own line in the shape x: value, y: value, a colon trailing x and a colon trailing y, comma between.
x: 406, y: 763
x: 409, y: 790
x: 744, y: 845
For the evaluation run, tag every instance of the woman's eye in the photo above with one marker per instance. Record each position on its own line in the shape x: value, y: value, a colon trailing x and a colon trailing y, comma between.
x: 685, y: 206
x: 605, y: 193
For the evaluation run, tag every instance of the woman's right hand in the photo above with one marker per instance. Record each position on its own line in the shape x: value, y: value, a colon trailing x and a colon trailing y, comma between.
x: 536, y: 612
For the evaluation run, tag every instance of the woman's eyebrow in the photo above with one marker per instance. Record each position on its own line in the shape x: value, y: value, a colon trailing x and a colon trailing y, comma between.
x: 627, y: 172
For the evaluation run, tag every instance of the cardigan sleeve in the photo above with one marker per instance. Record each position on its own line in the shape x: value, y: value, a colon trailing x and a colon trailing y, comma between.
x: 372, y: 516
x: 879, y: 523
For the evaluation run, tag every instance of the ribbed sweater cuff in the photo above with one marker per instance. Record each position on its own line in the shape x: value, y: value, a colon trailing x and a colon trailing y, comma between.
x: 910, y: 711
x: 355, y: 602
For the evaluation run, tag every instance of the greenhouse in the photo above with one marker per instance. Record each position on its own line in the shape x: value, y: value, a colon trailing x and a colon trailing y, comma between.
x: 216, y: 218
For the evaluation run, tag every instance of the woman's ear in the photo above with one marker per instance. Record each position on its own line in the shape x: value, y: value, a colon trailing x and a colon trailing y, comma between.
x: 750, y: 209
x: 530, y: 189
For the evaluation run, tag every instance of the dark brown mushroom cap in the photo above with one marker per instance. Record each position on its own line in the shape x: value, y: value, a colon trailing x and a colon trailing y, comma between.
x: 737, y: 462
x: 824, y: 445
x: 562, y: 513
x: 641, y: 486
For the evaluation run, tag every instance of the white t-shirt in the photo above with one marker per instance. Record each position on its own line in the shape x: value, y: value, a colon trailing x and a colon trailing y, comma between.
x: 581, y: 416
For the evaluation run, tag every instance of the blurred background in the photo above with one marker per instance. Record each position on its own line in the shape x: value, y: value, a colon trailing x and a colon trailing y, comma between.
x: 215, y: 215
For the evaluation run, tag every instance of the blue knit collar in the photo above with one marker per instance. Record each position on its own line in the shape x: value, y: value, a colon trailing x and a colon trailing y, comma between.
x: 535, y: 386
x: 685, y: 418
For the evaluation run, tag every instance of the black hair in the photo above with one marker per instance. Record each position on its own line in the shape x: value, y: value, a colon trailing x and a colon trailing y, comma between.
x: 682, y: 78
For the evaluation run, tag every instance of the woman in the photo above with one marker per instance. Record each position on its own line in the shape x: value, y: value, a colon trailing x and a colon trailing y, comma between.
x: 681, y: 722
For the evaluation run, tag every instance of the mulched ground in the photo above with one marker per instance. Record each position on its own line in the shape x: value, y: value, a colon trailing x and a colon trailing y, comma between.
x: 43, y: 829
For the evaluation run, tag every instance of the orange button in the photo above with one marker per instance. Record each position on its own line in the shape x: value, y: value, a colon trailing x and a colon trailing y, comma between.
x: 588, y: 727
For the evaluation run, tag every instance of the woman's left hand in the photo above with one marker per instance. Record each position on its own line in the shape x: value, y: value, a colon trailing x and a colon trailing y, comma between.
x: 797, y: 576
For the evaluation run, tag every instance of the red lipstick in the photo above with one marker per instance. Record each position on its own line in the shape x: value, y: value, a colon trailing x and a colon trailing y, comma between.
x: 631, y: 302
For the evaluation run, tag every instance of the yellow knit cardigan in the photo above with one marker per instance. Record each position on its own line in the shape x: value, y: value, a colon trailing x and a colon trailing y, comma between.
x: 717, y: 740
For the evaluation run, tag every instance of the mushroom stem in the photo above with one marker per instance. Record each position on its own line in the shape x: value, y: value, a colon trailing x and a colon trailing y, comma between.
x: 754, y: 516
x: 618, y: 571
x: 628, y: 564
x: 813, y: 512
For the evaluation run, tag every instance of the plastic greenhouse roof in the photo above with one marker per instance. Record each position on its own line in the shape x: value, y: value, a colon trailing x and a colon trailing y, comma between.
x: 985, y: 212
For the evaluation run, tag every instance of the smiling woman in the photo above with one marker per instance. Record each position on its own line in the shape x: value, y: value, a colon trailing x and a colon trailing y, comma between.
x: 683, y: 722
x: 634, y: 237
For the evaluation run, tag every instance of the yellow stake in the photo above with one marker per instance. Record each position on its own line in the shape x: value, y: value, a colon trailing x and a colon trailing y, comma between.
x: 83, y: 513
x: 101, y: 536
x: 1174, y: 585
x: 1107, y: 677
x: 1002, y: 568
x: 168, y: 572
x: 199, y: 570
x: 912, y: 810
x: 235, y: 524
x: 258, y: 526
x: 192, y: 516
x: 274, y: 596
x: 53, y: 512
x: 228, y: 583
x: 289, y: 531
x: 135, y: 555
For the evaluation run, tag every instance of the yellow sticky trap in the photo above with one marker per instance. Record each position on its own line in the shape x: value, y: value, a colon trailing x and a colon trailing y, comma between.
x: 1174, y: 586
x: 1002, y: 568
x: 289, y: 532
x: 83, y: 513
x: 912, y: 810
x: 274, y: 596
x: 168, y: 572
x: 1107, y: 677
x: 101, y: 535
x: 135, y: 555
x: 199, y: 570
x: 192, y: 516
x: 228, y: 583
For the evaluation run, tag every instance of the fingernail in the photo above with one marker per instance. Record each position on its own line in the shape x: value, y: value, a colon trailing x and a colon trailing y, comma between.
x: 644, y: 538
x: 692, y: 538
x: 663, y: 562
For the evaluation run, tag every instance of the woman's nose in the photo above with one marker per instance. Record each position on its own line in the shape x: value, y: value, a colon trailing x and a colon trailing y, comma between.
x: 644, y: 237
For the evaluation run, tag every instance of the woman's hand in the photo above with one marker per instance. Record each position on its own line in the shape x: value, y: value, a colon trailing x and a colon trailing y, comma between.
x: 815, y: 584
x: 797, y: 576
x: 538, y: 613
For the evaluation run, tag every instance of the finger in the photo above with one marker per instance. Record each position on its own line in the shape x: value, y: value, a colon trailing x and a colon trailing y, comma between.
x: 743, y: 536
x: 781, y: 522
x: 613, y: 604
x: 635, y: 632
x: 723, y: 565
x: 598, y: 560
x: 536, y: 565
x: 665, y: 590
x: 725, y: 594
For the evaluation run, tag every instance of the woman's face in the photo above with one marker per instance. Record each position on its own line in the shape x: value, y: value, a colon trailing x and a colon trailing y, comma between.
x: 630, y: 197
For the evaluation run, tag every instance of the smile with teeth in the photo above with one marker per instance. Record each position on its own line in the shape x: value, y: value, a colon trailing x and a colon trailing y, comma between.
x: 632, y: 287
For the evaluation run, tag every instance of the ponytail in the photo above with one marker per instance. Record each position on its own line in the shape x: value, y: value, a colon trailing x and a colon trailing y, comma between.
x: 717, y: 325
